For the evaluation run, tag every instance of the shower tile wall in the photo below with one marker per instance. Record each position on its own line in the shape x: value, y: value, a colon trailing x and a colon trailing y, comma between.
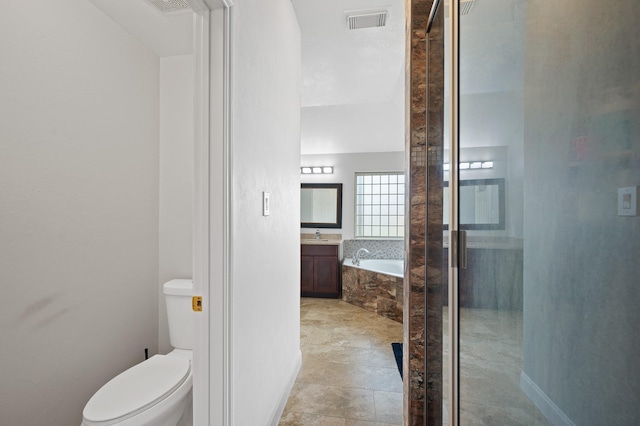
x: 423, y: 270
x: 435, y: 278
x: 423, y: 150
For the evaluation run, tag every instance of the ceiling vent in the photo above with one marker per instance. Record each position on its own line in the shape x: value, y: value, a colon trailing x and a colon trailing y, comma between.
x: 465, y: 7
x: 168, y: 6
x: 359, y: 20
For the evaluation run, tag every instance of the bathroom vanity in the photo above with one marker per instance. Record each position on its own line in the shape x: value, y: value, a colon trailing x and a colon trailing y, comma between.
x: 320, y: 267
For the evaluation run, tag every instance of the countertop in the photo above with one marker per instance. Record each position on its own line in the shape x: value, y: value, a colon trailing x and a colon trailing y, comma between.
x: 324, y: 240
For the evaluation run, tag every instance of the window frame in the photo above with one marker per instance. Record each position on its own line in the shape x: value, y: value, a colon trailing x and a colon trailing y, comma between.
x: 386, y: 219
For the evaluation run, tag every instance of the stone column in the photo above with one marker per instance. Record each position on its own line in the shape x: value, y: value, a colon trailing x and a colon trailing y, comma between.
x: 424, y: 107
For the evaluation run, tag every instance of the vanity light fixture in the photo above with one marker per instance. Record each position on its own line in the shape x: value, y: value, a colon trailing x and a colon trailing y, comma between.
x: 470, y: 165
x: 316, y: 170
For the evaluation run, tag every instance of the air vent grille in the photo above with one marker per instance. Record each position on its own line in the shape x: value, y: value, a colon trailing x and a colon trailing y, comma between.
x: 366, y: 20
x: 465, y: 7
x: 167, y: 6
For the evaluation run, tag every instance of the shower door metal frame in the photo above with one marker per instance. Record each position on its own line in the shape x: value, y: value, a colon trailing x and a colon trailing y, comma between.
x: 457, y: 238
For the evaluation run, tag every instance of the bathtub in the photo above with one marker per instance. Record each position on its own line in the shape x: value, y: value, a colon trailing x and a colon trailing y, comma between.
x: 391, y: 267
x: 375, y: 285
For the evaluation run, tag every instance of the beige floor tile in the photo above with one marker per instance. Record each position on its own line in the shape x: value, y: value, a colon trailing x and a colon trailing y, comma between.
x: 346, y: 357
x: 351, y: 375
x: 388, y: 406
x: 362, y: 423
x: 332, y: 401
x: 301, y: 419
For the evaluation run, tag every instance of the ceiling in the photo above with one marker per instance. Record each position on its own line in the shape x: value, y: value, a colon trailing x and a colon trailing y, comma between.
x: 166, y: 34
x: 352, y: 80
x: 342, y: 66
x: 352, y: 89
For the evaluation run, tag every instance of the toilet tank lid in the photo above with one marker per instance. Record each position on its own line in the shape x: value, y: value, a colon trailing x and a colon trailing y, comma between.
x: 179, y: 287
x: 137, y: 389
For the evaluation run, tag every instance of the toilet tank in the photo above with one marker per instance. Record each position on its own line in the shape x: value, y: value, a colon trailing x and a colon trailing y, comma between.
x: 177, y: 295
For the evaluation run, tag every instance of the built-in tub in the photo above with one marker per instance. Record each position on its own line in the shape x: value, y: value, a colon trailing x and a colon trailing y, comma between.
x: 392, y: 267
x: 375, y: 285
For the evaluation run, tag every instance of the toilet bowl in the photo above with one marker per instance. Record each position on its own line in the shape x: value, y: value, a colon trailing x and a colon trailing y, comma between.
x: 156, y: 392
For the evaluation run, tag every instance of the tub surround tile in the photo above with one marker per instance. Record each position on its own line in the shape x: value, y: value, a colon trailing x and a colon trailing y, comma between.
x: 378, y: 293
x: 379, y: 249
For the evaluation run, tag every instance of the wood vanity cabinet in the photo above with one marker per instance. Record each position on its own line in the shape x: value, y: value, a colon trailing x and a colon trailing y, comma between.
x: 319, y: 271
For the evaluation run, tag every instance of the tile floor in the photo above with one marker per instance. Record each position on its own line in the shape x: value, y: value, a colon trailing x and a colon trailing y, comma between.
x: 490, y: 367
x: 349, y: 375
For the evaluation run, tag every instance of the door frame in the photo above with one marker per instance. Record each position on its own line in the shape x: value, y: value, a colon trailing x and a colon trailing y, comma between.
x: 212, y: 352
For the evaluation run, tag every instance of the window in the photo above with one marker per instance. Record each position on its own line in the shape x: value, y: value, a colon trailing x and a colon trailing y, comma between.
x: 380, y: 205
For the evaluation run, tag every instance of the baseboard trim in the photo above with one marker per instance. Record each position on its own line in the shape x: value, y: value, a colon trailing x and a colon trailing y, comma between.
x: 275, y: 419
x: 551, y: 411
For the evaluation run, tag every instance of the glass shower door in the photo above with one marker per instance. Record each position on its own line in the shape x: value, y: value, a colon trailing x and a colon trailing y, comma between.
x: 490, y: 198
x: 545, y: 227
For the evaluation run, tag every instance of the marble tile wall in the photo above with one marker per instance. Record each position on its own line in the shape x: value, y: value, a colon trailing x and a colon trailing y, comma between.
x: 380, y: 249
x: 423, y: 247
x: 378, y: 293
x: 435, y: 276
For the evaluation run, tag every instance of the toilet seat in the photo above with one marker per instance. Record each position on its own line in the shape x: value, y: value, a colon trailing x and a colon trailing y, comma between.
x: 136, y: 389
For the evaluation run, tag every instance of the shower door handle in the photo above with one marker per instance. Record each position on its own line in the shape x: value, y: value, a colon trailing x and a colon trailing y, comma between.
x: 462, y: 249
x: 459, y: 249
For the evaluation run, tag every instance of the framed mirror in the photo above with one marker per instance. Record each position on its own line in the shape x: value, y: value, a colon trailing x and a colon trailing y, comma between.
x: 321, y: 205
x: 482, y: 204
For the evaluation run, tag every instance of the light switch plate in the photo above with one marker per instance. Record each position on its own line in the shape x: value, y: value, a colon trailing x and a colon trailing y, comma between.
x: 628, y: 201
x: 266, y: 204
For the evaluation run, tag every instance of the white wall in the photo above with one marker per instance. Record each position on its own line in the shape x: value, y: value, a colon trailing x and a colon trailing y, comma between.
x: 79, y: 210
x: 176, y: 178
x: 581, y: 269
x: 367, y: 127
x: 344, y: 168
x: 265, y: 250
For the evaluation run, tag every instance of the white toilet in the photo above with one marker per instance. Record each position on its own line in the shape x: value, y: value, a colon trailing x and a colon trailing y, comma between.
x: 157, y: 391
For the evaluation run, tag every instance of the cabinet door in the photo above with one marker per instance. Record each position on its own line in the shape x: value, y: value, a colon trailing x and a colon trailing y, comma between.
x: 306, y: 273
x: 325, y: 272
